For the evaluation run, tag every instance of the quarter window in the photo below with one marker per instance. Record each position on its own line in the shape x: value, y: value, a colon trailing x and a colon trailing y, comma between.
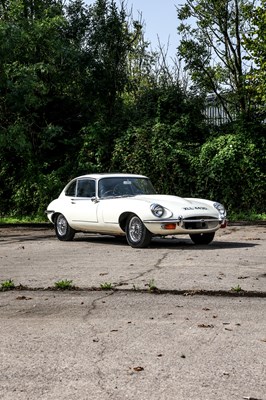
x: 71, y: 190
x: 86, y: 188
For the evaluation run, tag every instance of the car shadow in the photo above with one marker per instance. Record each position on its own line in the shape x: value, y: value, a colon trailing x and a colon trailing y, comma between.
x: 9, y: 236
x: 187, y: 243
x: 167, y: 243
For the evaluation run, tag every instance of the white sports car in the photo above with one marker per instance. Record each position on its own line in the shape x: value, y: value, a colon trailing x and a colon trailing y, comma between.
x: 127, y: 205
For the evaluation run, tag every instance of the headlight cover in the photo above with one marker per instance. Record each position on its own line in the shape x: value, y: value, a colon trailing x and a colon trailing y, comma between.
x: 157, y: 210
x: 221, y: 209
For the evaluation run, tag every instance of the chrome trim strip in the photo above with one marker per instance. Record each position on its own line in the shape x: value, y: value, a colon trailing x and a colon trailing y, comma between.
x: 178, y: 220
x: 201, y: 220
x: 162, y: 221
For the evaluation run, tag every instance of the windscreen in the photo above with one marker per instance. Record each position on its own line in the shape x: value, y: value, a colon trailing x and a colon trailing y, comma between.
x: 124, y: 187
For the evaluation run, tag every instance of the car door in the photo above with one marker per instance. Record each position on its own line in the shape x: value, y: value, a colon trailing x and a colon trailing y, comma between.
x: 82, y: 207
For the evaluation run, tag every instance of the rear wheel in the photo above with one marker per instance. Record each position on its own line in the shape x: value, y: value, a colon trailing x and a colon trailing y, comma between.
x: 62, y: 229
x: 136, y: 233
x: 202, y: 238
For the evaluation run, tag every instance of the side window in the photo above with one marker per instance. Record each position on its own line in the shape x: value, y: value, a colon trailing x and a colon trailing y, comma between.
x: 71, y: 190
x: 86, y: 188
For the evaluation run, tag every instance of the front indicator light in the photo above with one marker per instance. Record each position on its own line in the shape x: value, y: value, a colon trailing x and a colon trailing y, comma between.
x: 169, y: 226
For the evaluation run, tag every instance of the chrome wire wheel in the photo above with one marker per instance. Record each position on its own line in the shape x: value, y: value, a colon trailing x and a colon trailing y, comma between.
x: 136, y: 233
x: 135, y: 229
x: 61, y: 225
x: 62, y: 229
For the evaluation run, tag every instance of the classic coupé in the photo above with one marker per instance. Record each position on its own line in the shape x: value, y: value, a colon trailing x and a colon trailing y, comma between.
x: 127, y: 205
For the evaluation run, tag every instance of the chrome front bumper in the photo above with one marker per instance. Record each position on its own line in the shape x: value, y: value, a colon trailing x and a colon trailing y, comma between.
x: 187, y: 224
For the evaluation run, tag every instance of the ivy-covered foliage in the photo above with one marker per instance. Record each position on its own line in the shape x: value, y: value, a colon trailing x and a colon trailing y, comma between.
x: 80, y: 92
x: 231, y: 169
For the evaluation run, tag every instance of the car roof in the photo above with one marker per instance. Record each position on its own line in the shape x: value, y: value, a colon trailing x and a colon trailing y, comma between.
x: 110, y: 175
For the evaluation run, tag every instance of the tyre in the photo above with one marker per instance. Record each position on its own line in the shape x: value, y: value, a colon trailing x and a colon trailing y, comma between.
x: 62, y: 229
x: 202, y: 238
x: 136, y: 233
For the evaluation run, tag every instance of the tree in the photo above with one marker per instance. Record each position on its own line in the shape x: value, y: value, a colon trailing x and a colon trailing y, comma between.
x: 111, y: 41
x: 39, y: 98
x: 255, y: 44
x: 212, y: 50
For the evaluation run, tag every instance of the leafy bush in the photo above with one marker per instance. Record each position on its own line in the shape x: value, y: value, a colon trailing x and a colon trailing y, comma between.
x: 231, y: 169
x: 155, y: 151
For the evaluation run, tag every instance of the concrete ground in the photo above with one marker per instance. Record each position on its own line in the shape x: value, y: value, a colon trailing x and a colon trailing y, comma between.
x: 180, y: 321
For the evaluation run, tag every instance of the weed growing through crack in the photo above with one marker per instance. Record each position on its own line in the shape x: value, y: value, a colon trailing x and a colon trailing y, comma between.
x: 64, y: 284
x: 106, y: 286
x: 236, y: 288
x: 152, y: 286
x: 7, y: 285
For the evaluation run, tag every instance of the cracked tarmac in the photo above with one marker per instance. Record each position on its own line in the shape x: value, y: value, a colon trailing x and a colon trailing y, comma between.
x: 200, y: 335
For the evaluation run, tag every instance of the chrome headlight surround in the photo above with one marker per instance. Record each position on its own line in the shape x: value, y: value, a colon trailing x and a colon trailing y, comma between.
x: 220, y: 208
x: 157, y: 210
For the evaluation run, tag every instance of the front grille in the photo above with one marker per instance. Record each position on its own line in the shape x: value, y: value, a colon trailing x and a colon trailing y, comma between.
x: 200, y: 223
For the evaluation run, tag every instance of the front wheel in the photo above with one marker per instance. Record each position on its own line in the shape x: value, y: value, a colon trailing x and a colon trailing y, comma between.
x: 62, y: 229
x: 202, y: 238
x: 136, y: 233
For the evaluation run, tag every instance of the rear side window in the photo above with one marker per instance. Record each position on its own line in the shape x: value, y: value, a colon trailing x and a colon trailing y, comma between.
x: 71, y: 190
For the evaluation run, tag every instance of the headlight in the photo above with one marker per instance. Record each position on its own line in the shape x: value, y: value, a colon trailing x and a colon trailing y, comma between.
x: 157, y: 210
x: 221, y: 209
